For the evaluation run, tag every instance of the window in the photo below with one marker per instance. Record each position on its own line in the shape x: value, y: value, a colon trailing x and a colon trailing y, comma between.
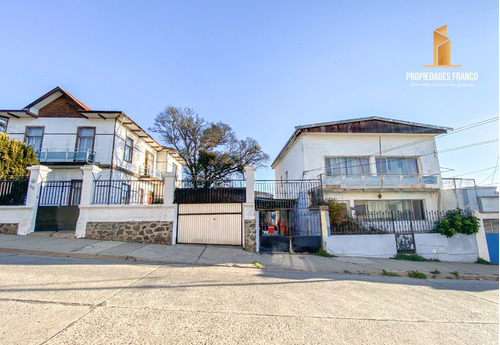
x: 149, y: 162
x: 385, y: 208
x: 396, y: 166
x: 85, y: 139
x: 490, y: 226
x: 129, y: 150
x: 347, y: 166
x: 34, y: 137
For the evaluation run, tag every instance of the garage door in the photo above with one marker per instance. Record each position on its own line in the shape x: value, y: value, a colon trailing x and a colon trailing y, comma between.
x: 209, y: 224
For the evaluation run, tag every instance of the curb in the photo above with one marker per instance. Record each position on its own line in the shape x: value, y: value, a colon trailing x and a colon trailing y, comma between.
x: 402, y: 274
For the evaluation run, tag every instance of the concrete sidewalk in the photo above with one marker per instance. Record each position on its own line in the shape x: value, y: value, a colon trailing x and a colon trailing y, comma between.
x: 235, y: 256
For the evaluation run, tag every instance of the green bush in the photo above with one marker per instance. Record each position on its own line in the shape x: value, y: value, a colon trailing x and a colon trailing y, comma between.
x: 417, y: 275
x: 456, y: 222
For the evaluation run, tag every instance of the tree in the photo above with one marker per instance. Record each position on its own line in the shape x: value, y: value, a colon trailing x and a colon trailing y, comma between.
x: 211, y: 150
x: 15, y: 156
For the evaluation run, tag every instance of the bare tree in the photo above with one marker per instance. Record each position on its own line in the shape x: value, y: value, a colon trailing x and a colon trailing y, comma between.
x: 211, y: 150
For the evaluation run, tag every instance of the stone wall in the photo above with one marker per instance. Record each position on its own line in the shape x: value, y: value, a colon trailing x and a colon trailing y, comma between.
x: 9, y: 228
x: 250, y: 235
x: 142, y: 232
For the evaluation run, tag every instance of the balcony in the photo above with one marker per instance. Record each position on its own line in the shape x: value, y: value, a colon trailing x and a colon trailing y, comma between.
x: 66, y: 156
x: 367, y: 182
x: 148, y: 172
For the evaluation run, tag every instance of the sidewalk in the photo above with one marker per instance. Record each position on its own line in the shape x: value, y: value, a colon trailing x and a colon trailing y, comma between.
x: 234, y: 256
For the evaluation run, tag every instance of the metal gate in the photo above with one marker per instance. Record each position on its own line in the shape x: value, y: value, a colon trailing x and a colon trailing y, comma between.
x: 58, y: 205
x: 210, y: 224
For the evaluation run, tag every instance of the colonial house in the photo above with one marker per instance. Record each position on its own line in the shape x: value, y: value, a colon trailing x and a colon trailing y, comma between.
x: 371, y: 164
x: 66, y: 134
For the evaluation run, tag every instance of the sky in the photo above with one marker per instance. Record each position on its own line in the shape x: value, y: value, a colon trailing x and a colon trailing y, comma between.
x: 263, y: 67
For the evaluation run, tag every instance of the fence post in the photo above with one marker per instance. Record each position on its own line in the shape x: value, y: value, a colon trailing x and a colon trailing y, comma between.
x: 85, y: 198
x: 87, y: 183
x: 38, y: 173
x: 482, y: 244
x: 250, y: 181
x: 169, y: 188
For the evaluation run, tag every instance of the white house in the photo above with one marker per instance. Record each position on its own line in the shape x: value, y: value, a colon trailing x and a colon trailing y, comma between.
x: 371, y: 164
x: 67, y: 134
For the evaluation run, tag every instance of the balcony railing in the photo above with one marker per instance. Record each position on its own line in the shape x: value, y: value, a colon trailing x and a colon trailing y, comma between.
x: 146, y: 171
x: 66, y: 156
x: 382, y: 181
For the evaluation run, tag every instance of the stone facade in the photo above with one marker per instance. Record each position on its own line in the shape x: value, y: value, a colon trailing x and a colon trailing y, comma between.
x: 142, y: 232
x: 9, y: 228
x: 250, y: 235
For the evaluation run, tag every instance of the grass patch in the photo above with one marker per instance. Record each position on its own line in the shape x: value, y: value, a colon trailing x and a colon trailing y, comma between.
x: 417, y: 275
x: 413, y: 257
x: 483, y: 261
x: 258, y: 264
x: 347, y: 272
x: 456, y: 274
x: 436, y: 272
x: 390, y: 274
x: 322, y: 252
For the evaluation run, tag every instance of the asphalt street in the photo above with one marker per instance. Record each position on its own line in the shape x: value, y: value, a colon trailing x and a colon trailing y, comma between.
x: 56, y: 300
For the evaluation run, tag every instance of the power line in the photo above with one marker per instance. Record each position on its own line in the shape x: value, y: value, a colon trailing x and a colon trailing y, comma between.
x: 472, y: 172
x: 460, y: 129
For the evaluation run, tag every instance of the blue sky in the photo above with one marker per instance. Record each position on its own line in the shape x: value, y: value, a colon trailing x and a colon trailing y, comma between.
x: 263, y: 67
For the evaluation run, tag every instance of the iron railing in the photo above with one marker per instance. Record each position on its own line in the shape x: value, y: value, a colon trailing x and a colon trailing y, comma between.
x: 128, y: 192
x: 65, y: 156
x: 274, y: 195
x: 60, y: 193
x: 457, y: 183
x: 204, y: 191
x: 294, y: 223
x: 13, y: 190
x: 391, y: 222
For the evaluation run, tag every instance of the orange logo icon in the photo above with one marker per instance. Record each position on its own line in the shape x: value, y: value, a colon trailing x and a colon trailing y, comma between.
x: 442, y: 49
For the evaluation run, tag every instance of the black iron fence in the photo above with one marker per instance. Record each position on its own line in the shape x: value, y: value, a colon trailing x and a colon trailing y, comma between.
x: 128, y: 192
x: 273, y: 195
x: 391, y: 222
x: 13, y: 190
x: 201, y: 191
x: 60, y: 193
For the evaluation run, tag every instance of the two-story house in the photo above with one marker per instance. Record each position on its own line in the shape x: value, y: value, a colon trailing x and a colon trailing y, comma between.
x: 372, y: 164
x: 66, y: 134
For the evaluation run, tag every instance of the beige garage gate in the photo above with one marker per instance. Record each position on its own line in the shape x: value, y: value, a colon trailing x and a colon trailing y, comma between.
x: 209, y: 224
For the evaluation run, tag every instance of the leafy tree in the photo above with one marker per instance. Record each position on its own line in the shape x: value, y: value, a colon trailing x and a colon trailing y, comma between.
x: 15, y: 156
x: 455, y: 221
x: 211, y: 150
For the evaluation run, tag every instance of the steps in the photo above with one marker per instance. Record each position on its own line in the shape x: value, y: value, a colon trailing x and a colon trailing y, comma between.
x: 56, y: 234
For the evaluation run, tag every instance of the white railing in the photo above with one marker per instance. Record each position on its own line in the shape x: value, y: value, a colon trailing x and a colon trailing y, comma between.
x: 65, y: 155
x: 382, y: 181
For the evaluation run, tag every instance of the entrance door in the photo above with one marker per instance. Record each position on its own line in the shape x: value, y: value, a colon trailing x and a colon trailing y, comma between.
x: 210, y: 224
x: 58, y: 206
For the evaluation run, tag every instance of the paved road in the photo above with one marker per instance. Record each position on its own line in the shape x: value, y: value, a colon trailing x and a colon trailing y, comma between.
x: 54, y: 300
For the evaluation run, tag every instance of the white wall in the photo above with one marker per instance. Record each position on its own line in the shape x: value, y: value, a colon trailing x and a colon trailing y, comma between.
x: 318, y: 146
x: 459, y: 248
x: 61, y: 133
x: 293, y: 162
x: 22, y: 215
x: 123, y: 213
x: 376, y: 246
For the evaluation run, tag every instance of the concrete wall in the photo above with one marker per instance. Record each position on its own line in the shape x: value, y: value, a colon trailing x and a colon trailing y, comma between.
x: 121, y: 213
x: 459, y: 248
x: 293, y: 162
x: 377, y: 246
x: 20, y: 215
